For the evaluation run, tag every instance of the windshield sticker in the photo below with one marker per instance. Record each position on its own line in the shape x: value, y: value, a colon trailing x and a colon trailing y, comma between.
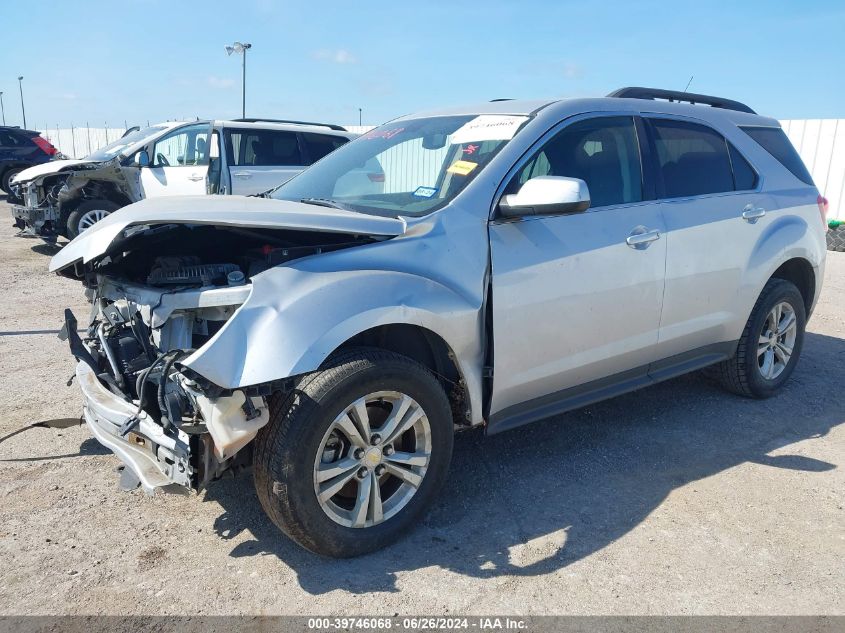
x: 462, y: 167
x: 384, y: 134
x: 425, y: 192
x: 471, y: 149
x: 488, y: 127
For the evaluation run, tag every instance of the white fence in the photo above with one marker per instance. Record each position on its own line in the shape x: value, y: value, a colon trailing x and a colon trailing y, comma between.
x: 820, y: 142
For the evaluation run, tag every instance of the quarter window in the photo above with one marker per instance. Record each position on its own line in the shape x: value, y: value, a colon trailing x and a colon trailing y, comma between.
x: 693, y: 159
x: 745, y: 178
x: 603, y: 152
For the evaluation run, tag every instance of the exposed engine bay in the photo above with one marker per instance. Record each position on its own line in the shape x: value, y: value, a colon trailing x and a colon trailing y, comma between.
x: 159, y: 294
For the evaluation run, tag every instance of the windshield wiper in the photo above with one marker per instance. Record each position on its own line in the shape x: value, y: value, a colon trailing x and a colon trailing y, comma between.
x: 324, y: 202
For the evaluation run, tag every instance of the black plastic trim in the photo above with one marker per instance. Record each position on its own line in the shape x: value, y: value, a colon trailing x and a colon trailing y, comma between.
x: 609, y: 387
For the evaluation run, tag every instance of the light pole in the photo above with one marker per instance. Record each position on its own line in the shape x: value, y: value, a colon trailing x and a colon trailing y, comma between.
x: 23, y: 110
x: 238, y: 47
x: 2, y: 108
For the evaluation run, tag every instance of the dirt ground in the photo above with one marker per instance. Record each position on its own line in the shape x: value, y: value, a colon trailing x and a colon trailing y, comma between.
x: 678, y: 499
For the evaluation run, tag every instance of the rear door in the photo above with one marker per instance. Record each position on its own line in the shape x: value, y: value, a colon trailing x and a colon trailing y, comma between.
x: 260, y: 159
x: 178, y: 163
x: 714, y: 214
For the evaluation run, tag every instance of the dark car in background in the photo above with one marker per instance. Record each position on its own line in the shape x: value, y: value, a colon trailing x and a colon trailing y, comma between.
x: 20, y: 149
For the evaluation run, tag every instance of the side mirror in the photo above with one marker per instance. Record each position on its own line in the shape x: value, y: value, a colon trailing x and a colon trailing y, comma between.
x: 142, y: 159
x: 546, y: 195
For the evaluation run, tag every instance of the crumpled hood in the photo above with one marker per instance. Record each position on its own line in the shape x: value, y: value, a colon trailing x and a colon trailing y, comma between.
x: 240, y: 211
x: 44, y: 169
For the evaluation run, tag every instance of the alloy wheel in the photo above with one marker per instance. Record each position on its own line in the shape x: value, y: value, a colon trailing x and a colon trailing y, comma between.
x: 372, y: 459
x: 777, y: 340
x: 90, y: 218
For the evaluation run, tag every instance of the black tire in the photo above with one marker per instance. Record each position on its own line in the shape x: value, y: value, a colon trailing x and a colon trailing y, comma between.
x: 286, y: 448
x: 742, y: 374
x: 836, y: 239
x: 72, y: 229
x: 7, y: 178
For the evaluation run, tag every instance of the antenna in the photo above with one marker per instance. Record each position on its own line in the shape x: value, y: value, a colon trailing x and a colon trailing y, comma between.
x: 691, y: 77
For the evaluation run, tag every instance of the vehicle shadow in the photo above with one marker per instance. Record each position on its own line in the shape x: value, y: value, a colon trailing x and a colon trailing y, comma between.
x: 43, y: 248
x: 531, y: 502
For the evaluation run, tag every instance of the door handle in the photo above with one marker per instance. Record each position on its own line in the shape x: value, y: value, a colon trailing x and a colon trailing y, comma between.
x: 751, y: 214
x: 641, y: 237
x: 242, y: 174
x: 195, y: 177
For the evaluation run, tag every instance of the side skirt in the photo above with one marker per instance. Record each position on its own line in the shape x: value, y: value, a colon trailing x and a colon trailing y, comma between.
x: 609, y: 387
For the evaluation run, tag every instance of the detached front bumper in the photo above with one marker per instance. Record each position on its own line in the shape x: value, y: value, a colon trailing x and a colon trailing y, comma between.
x: 38, y: 221
x: 158, y: 460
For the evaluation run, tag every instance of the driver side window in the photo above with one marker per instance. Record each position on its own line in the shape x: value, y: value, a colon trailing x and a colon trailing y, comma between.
x: 185, y: 146
x: 603, y: 152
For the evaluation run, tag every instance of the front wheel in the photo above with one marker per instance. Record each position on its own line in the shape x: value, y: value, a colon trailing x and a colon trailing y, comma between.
x: 770, y: 344
x: 355, y: 454
x: 87, y: 215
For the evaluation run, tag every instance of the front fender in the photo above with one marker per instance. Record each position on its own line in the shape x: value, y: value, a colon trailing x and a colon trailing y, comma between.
x: 293, y: 319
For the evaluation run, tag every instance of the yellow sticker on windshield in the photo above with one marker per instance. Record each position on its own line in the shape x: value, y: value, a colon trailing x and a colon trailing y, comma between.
x: 462, y: 167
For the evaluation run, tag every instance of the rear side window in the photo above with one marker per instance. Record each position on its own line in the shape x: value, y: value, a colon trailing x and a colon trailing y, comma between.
x: 693, y: 159
x: 774, y: 141
x: 319, y: 145
x: 263, y: 148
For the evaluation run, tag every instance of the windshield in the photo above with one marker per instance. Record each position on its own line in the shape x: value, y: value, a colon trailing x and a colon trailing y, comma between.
x: 116, y: 147
x: 409, y: 167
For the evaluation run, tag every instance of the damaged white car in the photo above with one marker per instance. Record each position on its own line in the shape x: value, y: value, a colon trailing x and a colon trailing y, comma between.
x: 516, y: 260
x: 242, y: 157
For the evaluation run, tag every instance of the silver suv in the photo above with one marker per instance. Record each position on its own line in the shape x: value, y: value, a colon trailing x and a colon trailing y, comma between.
x: 508, y: 262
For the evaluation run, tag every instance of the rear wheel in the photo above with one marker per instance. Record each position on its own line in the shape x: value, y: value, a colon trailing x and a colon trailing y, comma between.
x: 770, y: 345
x: 354, y: 456
x: 87, y: 214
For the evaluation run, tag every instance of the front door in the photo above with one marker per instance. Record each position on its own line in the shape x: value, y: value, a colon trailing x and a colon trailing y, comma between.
x: 576, y: 299
x: 178, y: 163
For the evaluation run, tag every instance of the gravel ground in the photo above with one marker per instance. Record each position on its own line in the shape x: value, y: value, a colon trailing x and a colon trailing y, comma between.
x: 678, y: 499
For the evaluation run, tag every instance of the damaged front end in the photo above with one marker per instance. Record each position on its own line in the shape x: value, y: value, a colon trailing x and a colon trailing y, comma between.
x: 160, y: 293
x: 38, y: 214
x: 167, y: 424
x: 48, y: 199
x: 167, y: 279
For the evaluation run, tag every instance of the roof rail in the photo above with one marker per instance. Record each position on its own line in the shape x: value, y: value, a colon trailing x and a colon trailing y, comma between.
x: 677, y: 95
x: 331, y: 126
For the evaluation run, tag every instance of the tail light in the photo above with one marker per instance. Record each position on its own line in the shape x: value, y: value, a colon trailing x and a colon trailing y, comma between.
x: 376, y: 177
x: 45, y: 145
x: 824, y: 205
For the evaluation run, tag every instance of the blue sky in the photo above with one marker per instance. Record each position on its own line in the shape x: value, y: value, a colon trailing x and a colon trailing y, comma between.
x: 105, y: 61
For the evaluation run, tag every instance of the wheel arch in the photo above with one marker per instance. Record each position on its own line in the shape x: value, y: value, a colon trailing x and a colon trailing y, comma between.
x: 799, y: 271
x: 425, y: 347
